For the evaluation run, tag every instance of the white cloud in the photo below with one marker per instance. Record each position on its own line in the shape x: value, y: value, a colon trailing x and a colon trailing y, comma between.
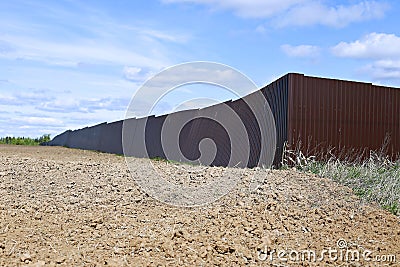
x: 136, y: 74
x: 84, y: 35
x: 298, y: 12
x: 131, y: 72
x: 91, y: 105
x: 73, y: 54
x: 383, y: 69
x: 308, y: 51
x: 24, y: 98
x: 39, y: 121
x: 30, y: 125
x: 382, y: 48
x: 314, y: 13
x: 175, y: 38
x: 247, y: 8
x: 388, y: 64
x: 373, y: 45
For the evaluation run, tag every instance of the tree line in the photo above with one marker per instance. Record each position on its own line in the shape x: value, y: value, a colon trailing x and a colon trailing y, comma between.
x: 25, y: 140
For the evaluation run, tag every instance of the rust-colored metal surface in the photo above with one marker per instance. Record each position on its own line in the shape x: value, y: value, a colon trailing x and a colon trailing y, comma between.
x: 349, y: 119
x: 321, y: 117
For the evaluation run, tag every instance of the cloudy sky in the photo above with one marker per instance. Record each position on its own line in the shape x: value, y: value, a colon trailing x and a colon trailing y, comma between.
x: 69, y: 64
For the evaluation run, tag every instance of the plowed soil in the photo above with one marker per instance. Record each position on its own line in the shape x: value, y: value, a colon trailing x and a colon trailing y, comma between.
x: 69, y: 207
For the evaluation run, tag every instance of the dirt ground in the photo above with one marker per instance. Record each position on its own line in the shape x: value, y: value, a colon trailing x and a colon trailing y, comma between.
x: 69, y: 207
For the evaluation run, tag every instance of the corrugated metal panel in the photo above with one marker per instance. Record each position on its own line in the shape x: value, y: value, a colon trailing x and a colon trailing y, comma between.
x: 232, y: 126
x: 111, y: 138
x: 276, y: 94
x: 134, y: 138
x: 345, y: 117
x: 153, y: 136
x: 249, y: 121
x: 196, y: 130
x: 86, y: 138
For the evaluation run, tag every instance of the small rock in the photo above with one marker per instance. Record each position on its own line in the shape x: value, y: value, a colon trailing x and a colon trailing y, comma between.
x: 223, y: 248
x: 294, y: 199
x: 26, y: 257
x: 60, y: 260
x: 98, y: 220
x: 180, y: 234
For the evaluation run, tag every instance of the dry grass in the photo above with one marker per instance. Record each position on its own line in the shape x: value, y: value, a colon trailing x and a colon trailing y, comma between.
x: 375, y: 179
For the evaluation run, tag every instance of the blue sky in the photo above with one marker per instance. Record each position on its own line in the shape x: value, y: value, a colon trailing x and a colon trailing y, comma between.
x: 70, y: 64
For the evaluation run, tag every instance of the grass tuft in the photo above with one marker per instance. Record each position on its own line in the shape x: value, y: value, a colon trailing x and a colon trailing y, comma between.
x: 375, y: 179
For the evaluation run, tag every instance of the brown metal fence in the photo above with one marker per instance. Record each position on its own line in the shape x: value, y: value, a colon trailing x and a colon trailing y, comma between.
x: 347, y: 118
x: 319, y: 116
